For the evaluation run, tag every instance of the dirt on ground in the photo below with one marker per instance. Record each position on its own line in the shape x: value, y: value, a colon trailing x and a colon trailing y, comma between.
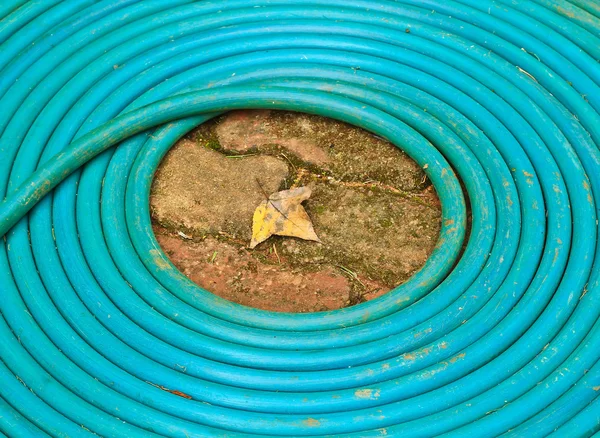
x: 376, y: 214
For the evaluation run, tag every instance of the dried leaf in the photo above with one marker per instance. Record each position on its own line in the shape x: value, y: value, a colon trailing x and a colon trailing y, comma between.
x: 282, y: 214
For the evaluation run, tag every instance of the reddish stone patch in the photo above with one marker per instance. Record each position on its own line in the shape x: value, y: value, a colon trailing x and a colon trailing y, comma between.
x: 243, y: 130
x: 235, y: 275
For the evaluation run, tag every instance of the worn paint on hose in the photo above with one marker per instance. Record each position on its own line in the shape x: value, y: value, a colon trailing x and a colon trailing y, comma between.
x: 101, y: 334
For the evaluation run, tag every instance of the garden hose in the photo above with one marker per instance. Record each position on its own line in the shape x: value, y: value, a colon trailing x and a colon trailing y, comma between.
x: 498, y: 333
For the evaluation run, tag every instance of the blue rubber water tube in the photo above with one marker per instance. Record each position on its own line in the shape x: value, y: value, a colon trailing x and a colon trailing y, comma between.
x: 502, y: 338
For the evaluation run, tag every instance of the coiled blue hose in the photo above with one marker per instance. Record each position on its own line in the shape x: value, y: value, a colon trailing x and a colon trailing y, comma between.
x: 502, y: 339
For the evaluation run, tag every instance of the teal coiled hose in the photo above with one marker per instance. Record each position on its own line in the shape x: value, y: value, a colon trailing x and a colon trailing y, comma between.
x: 501, y: 339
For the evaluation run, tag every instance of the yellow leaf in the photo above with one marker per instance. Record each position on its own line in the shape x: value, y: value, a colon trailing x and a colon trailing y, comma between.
x: 283, y: 215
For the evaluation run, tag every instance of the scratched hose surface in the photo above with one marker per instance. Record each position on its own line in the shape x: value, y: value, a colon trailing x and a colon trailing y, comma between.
x: 502, y: 338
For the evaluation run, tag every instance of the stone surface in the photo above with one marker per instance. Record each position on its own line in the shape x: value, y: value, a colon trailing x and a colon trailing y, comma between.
x: 202, y: 191
x: 351, y: 154
x: 377, y: 216
x: 377, y: 233
x: 246, y: 130
x: 233, y: 273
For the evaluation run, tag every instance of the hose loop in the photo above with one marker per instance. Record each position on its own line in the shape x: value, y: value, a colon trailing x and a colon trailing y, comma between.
x: 497, y: 334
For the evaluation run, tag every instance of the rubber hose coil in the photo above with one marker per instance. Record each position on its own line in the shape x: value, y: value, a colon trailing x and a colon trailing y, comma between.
x: 497, y: 334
